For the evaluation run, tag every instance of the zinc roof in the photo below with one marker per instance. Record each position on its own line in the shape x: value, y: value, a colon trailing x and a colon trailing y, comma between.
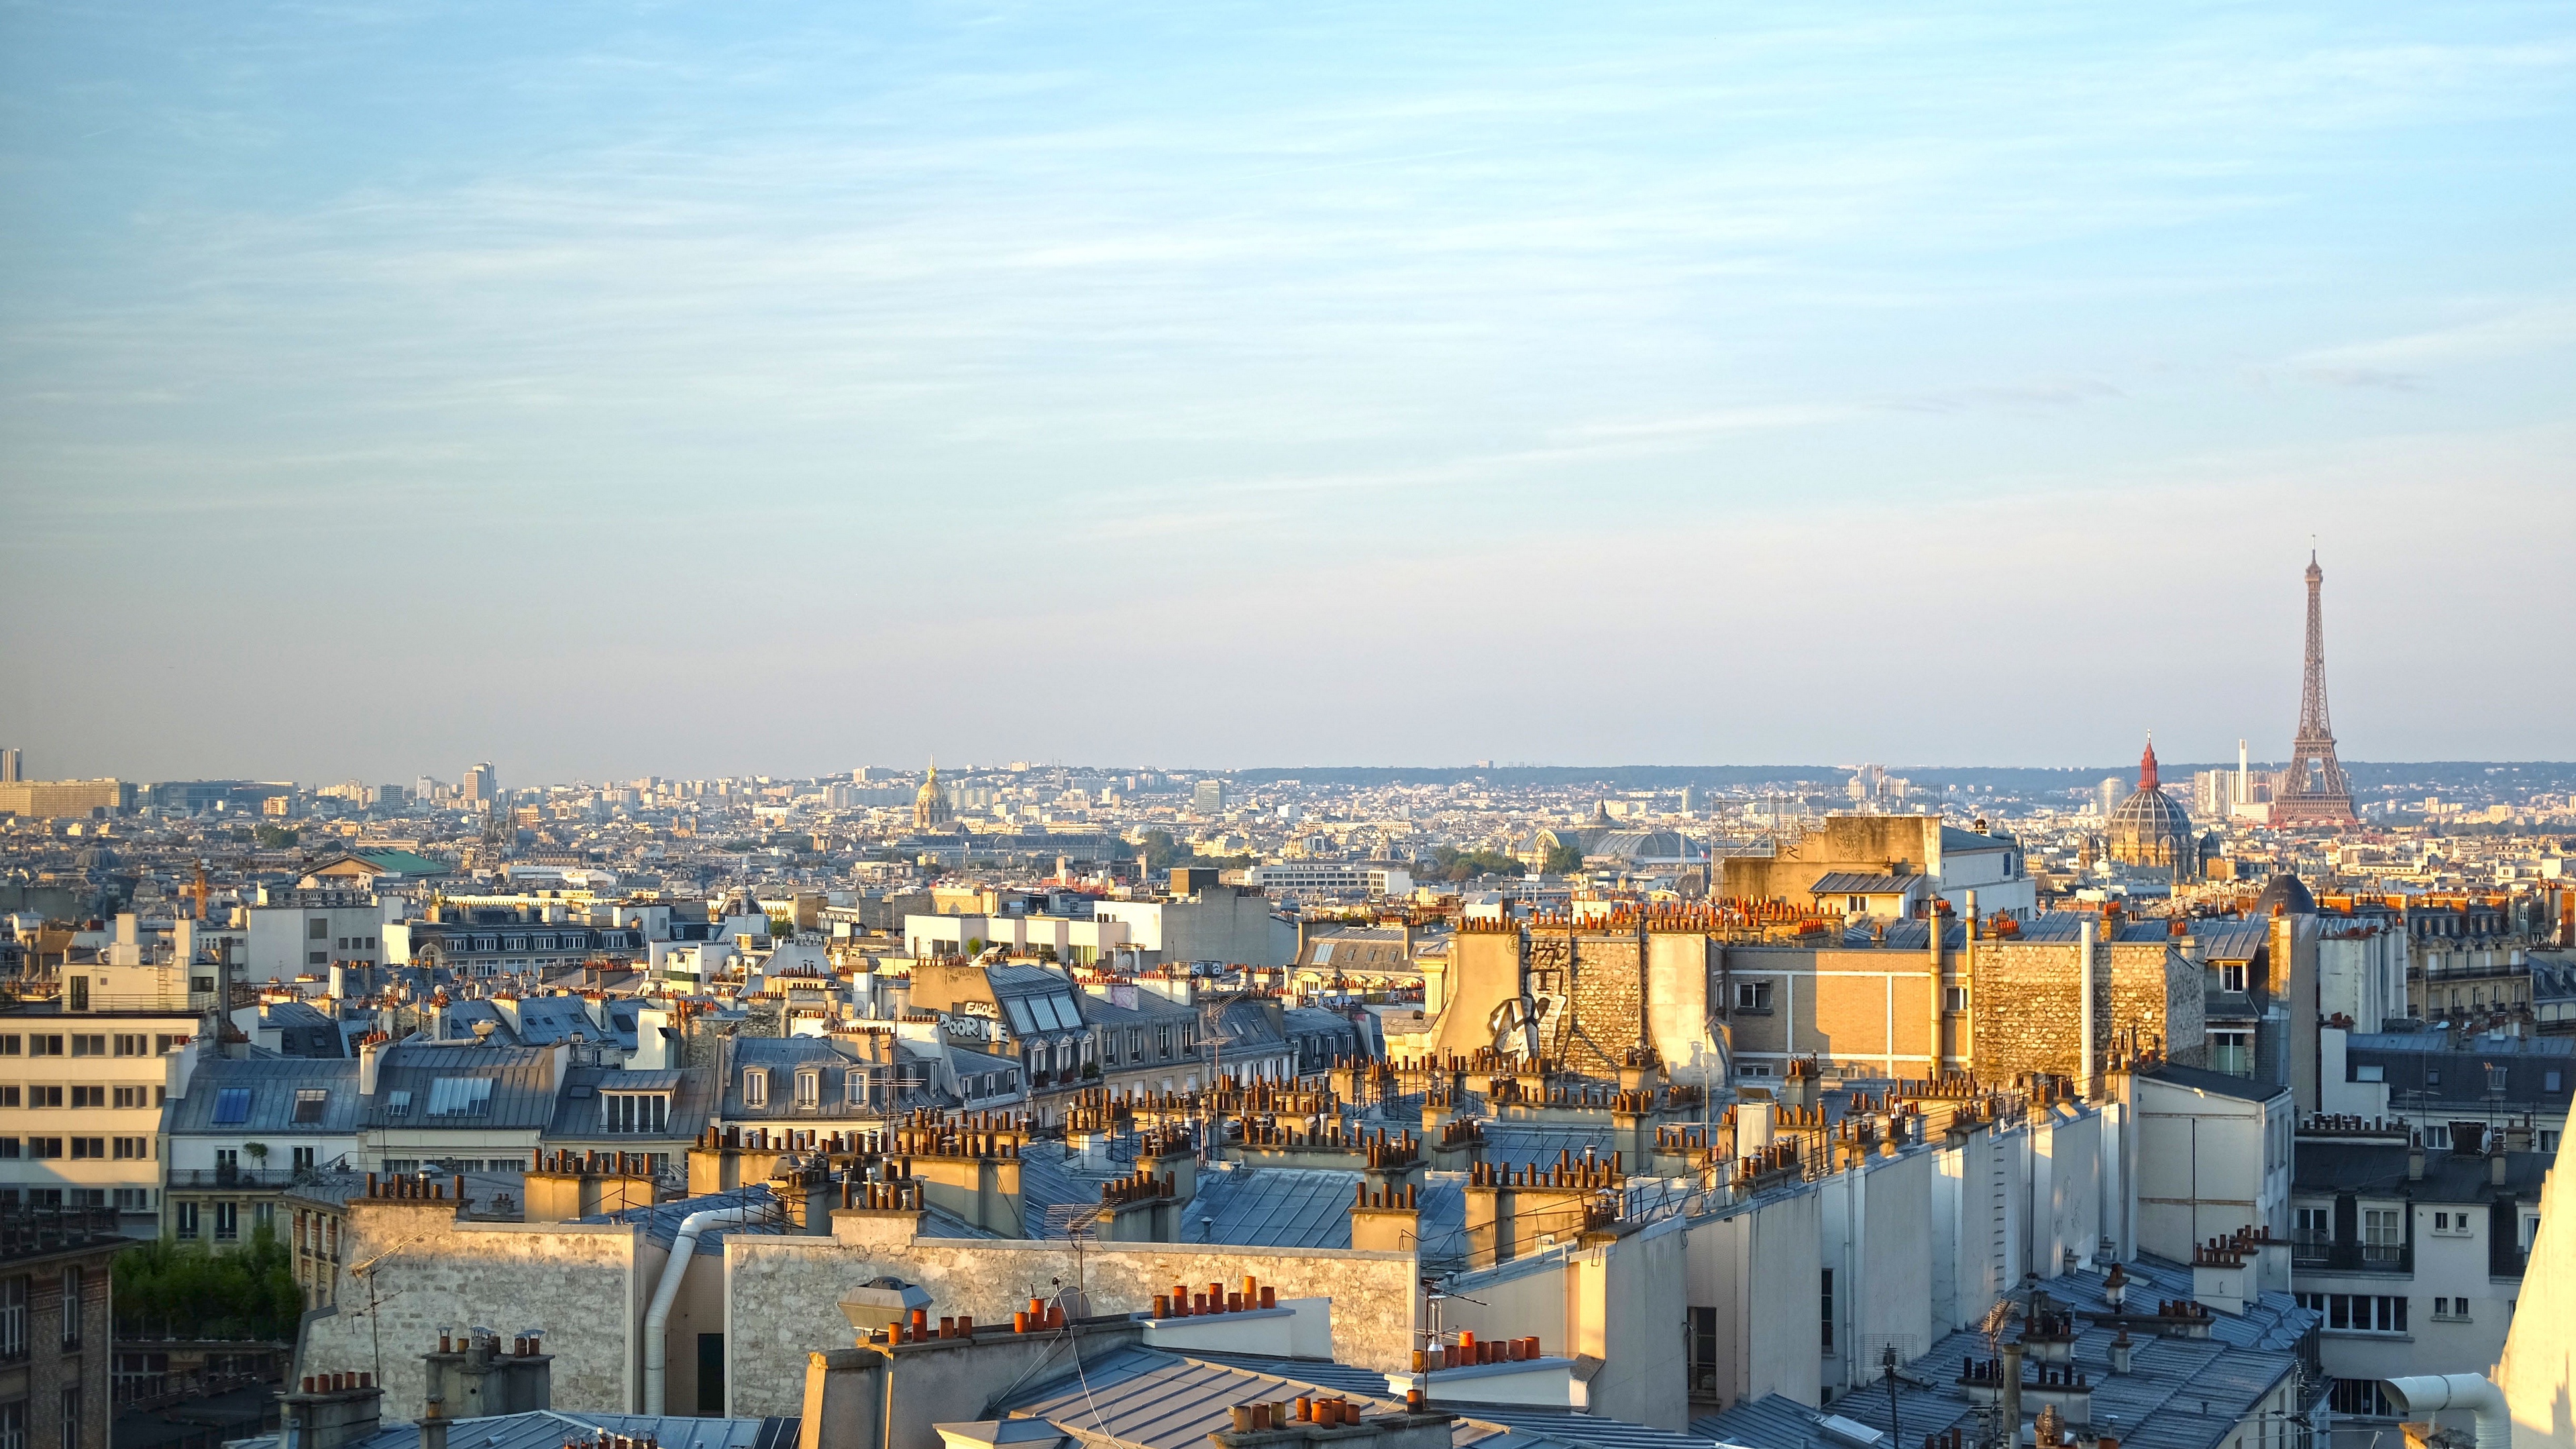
x: 268, y: 1102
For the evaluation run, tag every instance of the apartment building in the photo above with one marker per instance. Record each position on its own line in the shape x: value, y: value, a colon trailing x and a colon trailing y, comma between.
x: 2414, y: 1256
x: 81, y: 1094
x: 56, y: 1348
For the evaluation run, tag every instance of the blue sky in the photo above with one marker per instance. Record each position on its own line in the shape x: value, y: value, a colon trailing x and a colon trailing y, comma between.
x: 610, y: 390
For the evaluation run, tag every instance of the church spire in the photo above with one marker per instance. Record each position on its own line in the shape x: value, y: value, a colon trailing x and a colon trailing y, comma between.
x: 2147, y: 764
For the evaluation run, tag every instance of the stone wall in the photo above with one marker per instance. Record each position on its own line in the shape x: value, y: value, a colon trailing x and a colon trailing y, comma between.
x: 579, y: 1283
x: 2028, y: 999
x: 1607, y: 994
x: 783, y: 1295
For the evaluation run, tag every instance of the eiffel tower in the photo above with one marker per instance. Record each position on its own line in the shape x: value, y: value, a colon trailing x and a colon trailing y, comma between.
x: 2313, y: 790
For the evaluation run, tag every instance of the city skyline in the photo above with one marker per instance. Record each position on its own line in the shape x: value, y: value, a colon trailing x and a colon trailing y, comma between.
x: 1428, y: 381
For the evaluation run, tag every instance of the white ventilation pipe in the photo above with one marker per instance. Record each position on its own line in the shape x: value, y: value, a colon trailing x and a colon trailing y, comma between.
x: 2428, y: 1394
x: 2084, y: 998
x: 658, y: 1317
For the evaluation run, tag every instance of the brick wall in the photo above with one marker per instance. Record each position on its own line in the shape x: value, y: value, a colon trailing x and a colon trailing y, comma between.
x: 53, y: 1366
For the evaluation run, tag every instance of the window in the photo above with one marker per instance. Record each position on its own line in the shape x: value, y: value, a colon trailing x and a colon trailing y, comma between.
x: 317, y: 929
x: 71, y: 1418
x: 755, y: 1087
x: 2231, y: 1052
x: 2231, y: 976
x: 13, y: 1330
x: 1135, y: 1043
x: 13, y: 1425
x: 9, y: 1097
x: 73, y: 1282
x: 186, y: 1218
x: 164, y: 1043
x: 89, y: 1096
x: 854, y: 1086
x: 2372, y: 1072
x: 227, y: 1221
x: 2382, y: 1233
x: 635, y: 1111
x: 1954, y: 998
x: 2360, y: 1398
x: 303, y: 1158
x: 89, y: 1147
x: 44, y: 1147
x: 133, y: 1148
x: 134, y: 1199
x: 8, y: 1148
x: 9, y: 1045
x: 232, y: 1106
x: 2454, y: 1309
x: 460, y: 1097
x: 44, y: 1096
x: 1829, y: 1310
x: 397, y: 1104
x: 1753, y: 996
x: 2551, y: 1082
x: 2312, y: 1226
x: 132, y: 1044
x: 132, y: 1097
x: 44, y: 1045
x: 89, y: 1044
x: 809, y: 1089
x: 2364, y: 1312
x: 309, y: 1104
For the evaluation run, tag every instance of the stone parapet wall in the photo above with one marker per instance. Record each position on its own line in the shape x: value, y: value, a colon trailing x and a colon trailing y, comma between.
x: 783, y: 1295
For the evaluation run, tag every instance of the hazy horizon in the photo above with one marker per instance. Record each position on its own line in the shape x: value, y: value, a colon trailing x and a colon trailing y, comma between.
x: 610, y: 392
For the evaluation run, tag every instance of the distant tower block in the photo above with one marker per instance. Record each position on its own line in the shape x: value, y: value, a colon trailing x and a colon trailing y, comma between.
x: 2313, y: 789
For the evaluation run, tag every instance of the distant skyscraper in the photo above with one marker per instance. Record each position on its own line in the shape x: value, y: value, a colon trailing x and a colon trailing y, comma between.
x: 2107, y: 795
x: 1690, y: 799
x: 1208, y: 797
x: 2313, y: 789
x: 13, y: 767
x: 477, y: 787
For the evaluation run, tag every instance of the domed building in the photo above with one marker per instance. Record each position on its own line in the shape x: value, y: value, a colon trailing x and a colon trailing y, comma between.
x: 2286, y: 892
x: 930, y: 809
x: 2150, y: 830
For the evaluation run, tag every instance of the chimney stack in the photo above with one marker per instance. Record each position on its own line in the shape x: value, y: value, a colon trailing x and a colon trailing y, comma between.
x: 332, y: 1410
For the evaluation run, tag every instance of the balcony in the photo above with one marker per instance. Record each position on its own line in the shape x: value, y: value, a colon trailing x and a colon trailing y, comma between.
x: 28, y: 1231
x: 2316, y: 1251
x: 235, y: 1177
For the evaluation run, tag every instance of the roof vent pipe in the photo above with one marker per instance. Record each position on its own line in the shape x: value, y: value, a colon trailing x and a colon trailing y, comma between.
x: 2427, y: 1394
x: 657, y: 1318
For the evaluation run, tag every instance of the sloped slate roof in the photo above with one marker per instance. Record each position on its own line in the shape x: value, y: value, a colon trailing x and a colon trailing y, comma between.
x: 522, y: 1091
x: 1273, y: 1208
x: 1151, y: 1399
x: 2158, y: 1405
x: 553, y: 1428
x: 271, y: 1084
x: 1862, y: 883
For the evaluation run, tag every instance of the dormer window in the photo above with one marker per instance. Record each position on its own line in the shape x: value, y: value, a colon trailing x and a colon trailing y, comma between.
x: 755, y: 1087
x: 809, y: 1090
x: 648, y: 1112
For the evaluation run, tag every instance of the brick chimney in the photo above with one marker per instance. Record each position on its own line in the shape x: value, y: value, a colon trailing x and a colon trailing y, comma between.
x: 331, y: 1410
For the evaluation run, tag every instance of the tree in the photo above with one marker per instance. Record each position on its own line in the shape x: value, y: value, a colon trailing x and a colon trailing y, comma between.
x: 243, y: 1293
x: 1562, y: 859
x: 274, y: 837
x: 1451, y: 863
